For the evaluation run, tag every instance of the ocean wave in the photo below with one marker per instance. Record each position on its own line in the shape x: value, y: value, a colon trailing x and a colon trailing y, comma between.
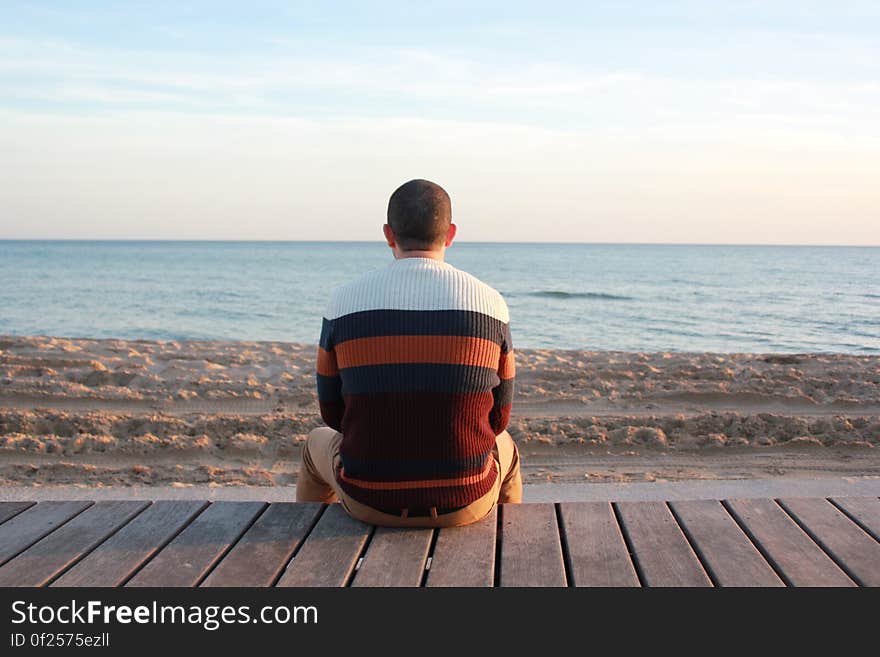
x: 559, y: 294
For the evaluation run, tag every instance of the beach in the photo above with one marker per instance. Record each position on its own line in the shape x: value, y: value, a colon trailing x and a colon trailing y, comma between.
x: 111, y: 412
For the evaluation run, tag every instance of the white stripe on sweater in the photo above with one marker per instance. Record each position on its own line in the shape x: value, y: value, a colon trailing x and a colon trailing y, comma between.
x: 417, y: 284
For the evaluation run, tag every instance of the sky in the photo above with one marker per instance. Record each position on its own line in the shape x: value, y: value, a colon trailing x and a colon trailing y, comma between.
x: 625, y: 121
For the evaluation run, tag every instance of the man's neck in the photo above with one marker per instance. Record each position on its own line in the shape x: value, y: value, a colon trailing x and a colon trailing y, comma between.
x: 433, y: 255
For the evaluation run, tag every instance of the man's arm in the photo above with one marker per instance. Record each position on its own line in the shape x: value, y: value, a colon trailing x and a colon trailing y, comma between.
x: 330, y: 398
x: 503, y: 392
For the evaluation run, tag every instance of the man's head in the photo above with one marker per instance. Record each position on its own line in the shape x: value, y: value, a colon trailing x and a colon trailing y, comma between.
x: 419, y: 218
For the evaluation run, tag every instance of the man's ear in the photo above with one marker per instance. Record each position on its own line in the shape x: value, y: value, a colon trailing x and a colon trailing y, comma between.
x: 389, y: 235
x: 450, y: 235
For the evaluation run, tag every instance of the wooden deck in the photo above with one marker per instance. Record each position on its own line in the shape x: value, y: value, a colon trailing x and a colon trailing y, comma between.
x: 738, y: 542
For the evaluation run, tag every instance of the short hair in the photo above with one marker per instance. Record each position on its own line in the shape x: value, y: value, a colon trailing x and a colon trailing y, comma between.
x: 419, y: 213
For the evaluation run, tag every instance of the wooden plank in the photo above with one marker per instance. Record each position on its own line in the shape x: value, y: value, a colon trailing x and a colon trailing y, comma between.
x: 864, y: 510
x: 330, y: 553
x: 465, y: 556
x: 531, y: 550
x: 396, y: 557
x: 662, y: 553
x: 48, y: 557
x: 10, y: 509
x: 794, y: 554
x: 729, y: 555
x: 195, y: 550
x: 597, y: 553
x: 847, y: 543
x: 117, y: 558
x: 28, y: 527
x: 259, y: 558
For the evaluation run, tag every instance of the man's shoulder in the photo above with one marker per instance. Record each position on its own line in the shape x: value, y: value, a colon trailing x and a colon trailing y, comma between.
x: 489, y: 292
x: 341, y: 295
x: 417, y: 286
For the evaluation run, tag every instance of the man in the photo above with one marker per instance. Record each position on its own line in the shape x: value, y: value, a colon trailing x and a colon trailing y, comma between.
x: 415, y: 381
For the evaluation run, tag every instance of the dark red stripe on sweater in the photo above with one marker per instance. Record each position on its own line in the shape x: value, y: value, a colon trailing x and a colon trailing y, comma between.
x: 437, y: 426
x: 422, y: 497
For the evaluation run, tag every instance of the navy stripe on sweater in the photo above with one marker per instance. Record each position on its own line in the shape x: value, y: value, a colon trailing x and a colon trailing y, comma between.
x: 503, y: 393
x: 375, y: 323
x: 417, y: 377
x: 329, y: 388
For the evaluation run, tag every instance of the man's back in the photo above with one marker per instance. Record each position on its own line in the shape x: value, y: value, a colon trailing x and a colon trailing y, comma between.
x: 415, y: 381
x: 415, y: 369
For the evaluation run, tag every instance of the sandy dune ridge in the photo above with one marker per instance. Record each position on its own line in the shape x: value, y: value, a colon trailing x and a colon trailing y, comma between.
x: 222, y: 412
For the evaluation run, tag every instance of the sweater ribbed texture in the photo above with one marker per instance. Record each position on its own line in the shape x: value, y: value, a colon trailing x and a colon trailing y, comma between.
x: 415, y: 368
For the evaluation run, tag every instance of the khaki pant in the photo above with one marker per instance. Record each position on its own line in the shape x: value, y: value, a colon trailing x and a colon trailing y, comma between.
x: 321, y: 462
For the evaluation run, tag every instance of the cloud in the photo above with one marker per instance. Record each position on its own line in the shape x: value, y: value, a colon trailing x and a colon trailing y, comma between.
x: 622, y: 136
x: 188, y: 176
x: 389, y: 82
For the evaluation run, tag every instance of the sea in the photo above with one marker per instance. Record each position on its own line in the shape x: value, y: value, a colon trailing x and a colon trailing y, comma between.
x: 627, y: 297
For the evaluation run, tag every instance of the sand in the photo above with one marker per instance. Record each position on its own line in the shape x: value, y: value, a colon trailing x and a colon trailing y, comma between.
x: 134, y: 412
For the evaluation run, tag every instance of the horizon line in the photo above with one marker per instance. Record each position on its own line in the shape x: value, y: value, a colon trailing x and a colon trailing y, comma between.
x: 379, y: 242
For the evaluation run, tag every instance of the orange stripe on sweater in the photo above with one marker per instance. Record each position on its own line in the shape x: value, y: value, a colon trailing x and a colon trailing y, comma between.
x: 387, y: 350
x: 507, y: 368
x: 420, y: 483
x: 326, y: 363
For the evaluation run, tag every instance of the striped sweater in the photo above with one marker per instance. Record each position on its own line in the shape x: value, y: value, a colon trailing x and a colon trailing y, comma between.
x: 415, y: 368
